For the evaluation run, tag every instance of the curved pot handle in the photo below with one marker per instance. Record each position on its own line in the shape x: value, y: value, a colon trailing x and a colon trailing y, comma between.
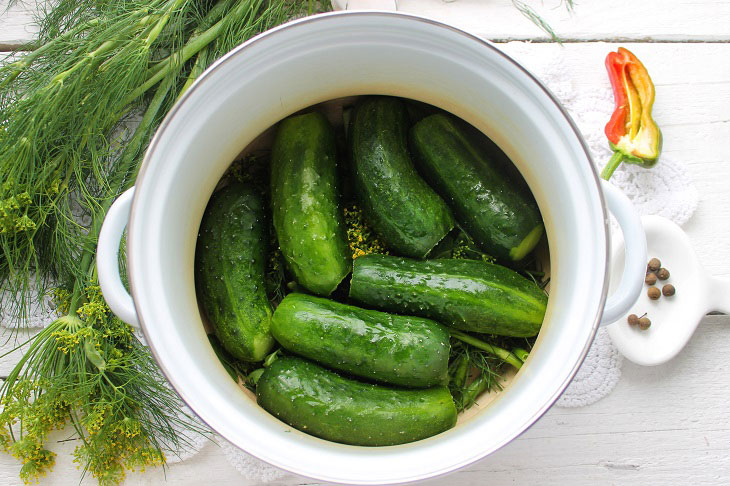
x: 632, y: 279
x: 107, y: 259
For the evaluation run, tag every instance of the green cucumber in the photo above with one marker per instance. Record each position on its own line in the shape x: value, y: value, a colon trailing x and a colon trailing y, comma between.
x: 322, y: 403
x: 500, y: 214
x: 470, y: 295
x: 407, y: 214
x: 230, y: 261
x: 400, y: 350
x: 305, y: 202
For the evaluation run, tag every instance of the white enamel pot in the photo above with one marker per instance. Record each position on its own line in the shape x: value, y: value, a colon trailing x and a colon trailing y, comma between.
x: 322, y: 58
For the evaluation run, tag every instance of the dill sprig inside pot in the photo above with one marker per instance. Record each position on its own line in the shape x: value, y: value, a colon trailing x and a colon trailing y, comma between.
x: 67, y: 149
x: 478, y: 363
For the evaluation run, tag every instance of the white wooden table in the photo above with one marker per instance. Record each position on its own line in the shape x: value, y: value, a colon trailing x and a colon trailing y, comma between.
x: 664, y: 425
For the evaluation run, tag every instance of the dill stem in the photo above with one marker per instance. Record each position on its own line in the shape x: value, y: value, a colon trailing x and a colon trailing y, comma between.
x: 501, y: 353
x: 474, y: 389
x: 195, y: 71
x: 162, y: 22
x: 192, y: 47
x: 215, y: 14
x: 521, y: 353
x: 460, y: 371
x: 124, y: 166
x: 105, y: 47
x: 38, y: 341
x: 30, y: 57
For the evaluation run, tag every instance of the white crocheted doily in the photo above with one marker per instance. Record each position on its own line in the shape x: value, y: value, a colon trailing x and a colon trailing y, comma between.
x: 666, y: 190
x: 250, y: 467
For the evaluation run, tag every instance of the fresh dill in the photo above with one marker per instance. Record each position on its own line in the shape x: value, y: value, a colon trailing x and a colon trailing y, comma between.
x: 478, y: 362
x: 472, y: 372
x: 529, y: 12
x: 459, y: 245
x: 76, y: 114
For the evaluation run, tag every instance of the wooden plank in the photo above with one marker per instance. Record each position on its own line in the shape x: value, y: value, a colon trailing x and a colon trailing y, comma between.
x: 16, y: 24
x: 661, y: 425
x: 15, y: 344
x: 626, y: 20
x: 692, y: 109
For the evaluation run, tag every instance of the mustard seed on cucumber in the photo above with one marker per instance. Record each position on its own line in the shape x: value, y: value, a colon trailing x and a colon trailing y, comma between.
x: 429, y: 322
x: 405, y: 212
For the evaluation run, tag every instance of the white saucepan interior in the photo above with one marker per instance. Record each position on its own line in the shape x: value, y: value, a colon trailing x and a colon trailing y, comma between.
x: 319, y: 59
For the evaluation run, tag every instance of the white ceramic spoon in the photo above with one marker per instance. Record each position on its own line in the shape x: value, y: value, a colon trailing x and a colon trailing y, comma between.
x: 673, y: 319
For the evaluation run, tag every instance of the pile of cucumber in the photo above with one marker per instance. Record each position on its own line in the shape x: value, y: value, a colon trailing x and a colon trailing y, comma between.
x: 365, y: 345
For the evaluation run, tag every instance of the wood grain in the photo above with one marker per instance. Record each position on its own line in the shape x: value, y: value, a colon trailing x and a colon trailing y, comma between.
x: 14, y: 343
x: 624, y: 20
x: 16, y: 24
x: 661, y: 425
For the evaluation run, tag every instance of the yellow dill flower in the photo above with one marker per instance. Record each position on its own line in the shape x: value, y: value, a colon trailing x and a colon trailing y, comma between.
x: 361, y: 239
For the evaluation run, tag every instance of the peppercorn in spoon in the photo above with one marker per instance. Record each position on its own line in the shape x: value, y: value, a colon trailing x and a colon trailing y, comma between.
x: 674, y: 317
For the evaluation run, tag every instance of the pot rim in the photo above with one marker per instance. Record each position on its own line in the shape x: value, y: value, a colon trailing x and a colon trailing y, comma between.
x: 417, y: 18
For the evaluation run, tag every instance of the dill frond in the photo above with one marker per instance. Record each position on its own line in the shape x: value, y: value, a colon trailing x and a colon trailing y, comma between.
x: 529, y: 12
x: 76, y: 114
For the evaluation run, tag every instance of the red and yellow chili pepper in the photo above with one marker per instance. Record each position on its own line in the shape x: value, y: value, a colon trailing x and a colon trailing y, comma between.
x: 632, y: 132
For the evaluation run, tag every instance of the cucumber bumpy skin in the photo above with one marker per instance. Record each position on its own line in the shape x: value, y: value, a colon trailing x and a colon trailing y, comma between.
x: 500, y: 214
x: 399, y: 350
x: 470, y: 295
x: 322, y: 403
x: 230, y: 263
x: 307, y: 216
x: 407, y: 214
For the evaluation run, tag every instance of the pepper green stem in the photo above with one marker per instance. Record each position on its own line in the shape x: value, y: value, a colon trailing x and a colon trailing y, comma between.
x: 612, y: 165
x: 500, y: 353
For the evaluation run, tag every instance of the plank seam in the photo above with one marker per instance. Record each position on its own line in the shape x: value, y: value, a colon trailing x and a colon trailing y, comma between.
x: 10, y: 47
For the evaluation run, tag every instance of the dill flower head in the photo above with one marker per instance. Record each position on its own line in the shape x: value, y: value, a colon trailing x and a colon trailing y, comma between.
x: 361, y: 238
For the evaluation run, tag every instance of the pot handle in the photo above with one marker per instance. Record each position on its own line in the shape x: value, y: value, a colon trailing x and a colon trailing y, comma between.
x: 632, y: 279
x: 107, y: 259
